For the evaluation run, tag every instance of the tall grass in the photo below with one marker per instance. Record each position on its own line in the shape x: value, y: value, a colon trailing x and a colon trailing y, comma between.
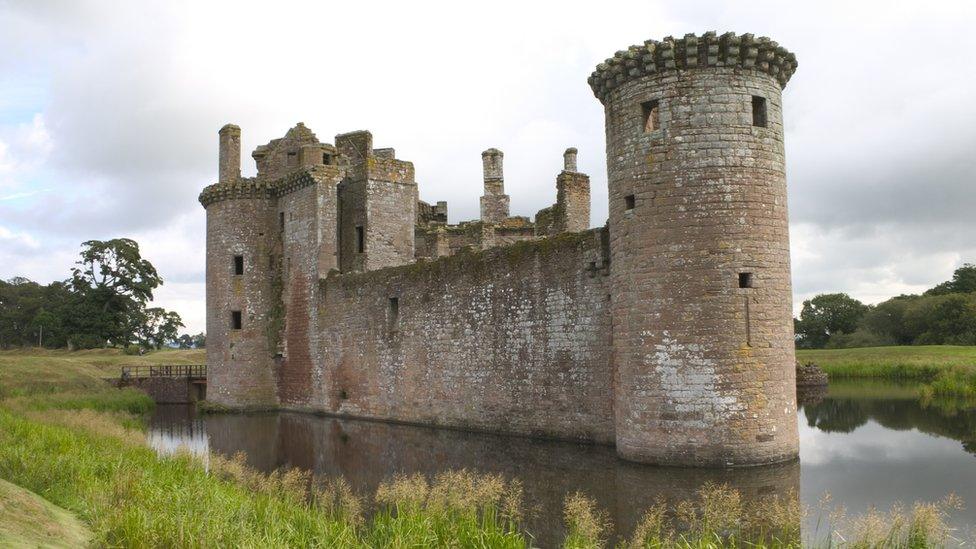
x: 717, y: 517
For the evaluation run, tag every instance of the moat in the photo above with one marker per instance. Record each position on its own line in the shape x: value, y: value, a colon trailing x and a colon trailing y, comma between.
x: 864, y: 443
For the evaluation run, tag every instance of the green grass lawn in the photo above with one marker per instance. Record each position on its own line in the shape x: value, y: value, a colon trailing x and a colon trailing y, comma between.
x: 942, y: 369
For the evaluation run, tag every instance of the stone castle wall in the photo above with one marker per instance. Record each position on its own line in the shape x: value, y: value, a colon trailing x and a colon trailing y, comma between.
x: 668, y: 333
x: 513, y: 339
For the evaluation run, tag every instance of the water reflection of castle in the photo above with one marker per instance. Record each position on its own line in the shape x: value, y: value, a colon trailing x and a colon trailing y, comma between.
x: 366, y: 453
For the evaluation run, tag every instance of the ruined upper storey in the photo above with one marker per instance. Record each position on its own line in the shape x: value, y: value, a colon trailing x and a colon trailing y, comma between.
x: 690, y: 52
x: 379, y: 218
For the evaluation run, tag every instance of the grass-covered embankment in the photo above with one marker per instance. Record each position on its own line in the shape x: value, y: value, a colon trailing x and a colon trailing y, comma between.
x: 944, y: 370
x: 27, y: 520
x: 68, y: 437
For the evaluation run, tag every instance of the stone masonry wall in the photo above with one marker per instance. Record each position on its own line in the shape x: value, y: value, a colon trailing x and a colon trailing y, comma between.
x: 513, y: 339
x: 697, y: 202
x: 239, y: 360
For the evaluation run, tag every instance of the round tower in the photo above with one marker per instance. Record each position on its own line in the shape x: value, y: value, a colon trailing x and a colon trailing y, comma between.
x: 240, y: 283
x: 700, y: 258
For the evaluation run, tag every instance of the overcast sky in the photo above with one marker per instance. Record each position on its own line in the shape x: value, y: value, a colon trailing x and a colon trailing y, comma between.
x: 109, y: 114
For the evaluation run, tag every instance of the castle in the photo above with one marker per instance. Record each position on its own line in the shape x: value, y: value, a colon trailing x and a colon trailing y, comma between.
x: 668, y: 333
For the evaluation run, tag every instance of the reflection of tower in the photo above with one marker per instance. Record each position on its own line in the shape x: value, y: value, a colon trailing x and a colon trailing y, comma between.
x: 239, y: 296
x: 701, y: 297
x: 494, y: 203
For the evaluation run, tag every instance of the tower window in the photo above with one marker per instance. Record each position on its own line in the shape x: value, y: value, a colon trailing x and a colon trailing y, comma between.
x: 326, y: 158
x: 746, y: 280
x: 629, y: 202
x: 360, y: 239
x: 238, y: 264
x: 235, y: 320
x: 281, y: 221
x: 394, y: 311
x: 651, y: 115
x: 758, y: 111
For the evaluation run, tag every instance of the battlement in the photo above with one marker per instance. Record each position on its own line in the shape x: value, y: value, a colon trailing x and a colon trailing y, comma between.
x: 253, y: 187
x: 693, y: 52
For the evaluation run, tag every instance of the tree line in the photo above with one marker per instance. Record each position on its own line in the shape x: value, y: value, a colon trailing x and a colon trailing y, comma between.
x: 104, y: 303
x: 943, y: 315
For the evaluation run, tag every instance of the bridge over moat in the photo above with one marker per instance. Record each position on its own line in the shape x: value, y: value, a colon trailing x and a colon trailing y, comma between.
x: 168, y: 383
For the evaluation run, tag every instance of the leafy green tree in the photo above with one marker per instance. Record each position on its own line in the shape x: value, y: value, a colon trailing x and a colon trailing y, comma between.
x: 887, y: 320
x: 963, y: 282
x: 200, y: 340
x: 827, y: 314
x: 185, y: 341
x: 116, y: 282
x: 157, y: 327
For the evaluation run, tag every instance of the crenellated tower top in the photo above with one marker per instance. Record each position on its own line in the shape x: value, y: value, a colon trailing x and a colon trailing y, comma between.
x: 690, y: 52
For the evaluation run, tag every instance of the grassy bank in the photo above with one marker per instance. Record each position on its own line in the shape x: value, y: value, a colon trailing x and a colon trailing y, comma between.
x: 940, y: 369
x: 27, y: 520
x: 72, y: 440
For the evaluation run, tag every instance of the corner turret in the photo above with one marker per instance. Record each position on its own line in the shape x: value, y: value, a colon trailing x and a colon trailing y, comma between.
x: 700, y: 252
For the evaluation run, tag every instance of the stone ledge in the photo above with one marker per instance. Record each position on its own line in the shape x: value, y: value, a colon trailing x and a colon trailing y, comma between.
x: 693, y: 52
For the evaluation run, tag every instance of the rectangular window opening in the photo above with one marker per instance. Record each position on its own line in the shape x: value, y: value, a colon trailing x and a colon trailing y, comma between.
x: 360, y: 240
x: 238, y: 264
x: 651, y: 115
x: 745, y: 280
x: 394, y: 311
x: 758, y: 111
x: 326, y: 158
x: 629, y: 202
x: 281, y: 221
x: 235, y: 320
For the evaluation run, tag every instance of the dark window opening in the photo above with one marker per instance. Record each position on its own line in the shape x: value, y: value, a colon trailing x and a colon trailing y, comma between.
x: 360, y: 240
x: 758, y: 111
x: 238, y: 264
x: 235, y: 320
x: 745, y: 280
x: 650, y: 115
x: 281, y: 220
x: 326, y: 158
x: 629, y: 202
x: 394, y: 311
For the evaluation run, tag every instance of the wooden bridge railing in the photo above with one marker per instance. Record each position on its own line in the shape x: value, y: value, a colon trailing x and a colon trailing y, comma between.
x: 191, y: 371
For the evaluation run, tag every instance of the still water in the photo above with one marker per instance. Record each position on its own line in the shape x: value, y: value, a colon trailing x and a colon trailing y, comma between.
x: 866, y: 444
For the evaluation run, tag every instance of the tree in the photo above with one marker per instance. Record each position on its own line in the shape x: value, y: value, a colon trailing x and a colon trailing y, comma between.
x: 185, y: 341
x: 157, y: 327
x: 116, y: 283
x: 963, y: 282
x: 827, y: 314
x: 117, y: 267
x: 887, y: 319
x: 200, y: 340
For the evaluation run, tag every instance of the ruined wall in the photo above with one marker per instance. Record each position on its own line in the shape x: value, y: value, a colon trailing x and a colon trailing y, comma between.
x: 514, y: 339
x: 391, y: 213
x: 284, y: 155
x: 703, y: 339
